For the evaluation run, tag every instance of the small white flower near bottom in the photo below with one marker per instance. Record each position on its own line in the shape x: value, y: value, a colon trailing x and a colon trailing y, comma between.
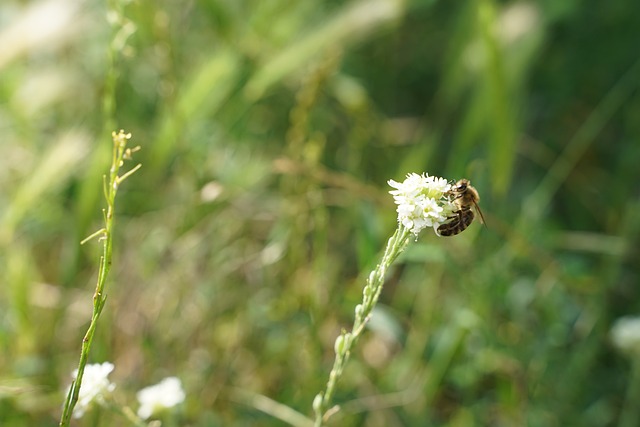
x: 625, y: 335
x: 95, y: 386
x: 156, y: 398
x: 421, y: 201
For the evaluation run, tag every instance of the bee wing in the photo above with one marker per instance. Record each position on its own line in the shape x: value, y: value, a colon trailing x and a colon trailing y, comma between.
x: 482, y: 220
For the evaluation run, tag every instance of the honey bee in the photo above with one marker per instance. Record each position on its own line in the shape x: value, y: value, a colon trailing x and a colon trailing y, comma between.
x: 465, y: 197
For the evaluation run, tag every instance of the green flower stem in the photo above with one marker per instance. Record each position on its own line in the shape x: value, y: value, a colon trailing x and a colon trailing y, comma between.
x: 127, y: 413
x: 120, y: 152
x: 631, y: 411
x: 370, y: 294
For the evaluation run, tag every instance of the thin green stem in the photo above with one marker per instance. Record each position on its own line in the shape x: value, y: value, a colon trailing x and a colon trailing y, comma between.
x: 99, y: 297
x: 630, y: 411
x: 127, y: 413
x: 346, y: 340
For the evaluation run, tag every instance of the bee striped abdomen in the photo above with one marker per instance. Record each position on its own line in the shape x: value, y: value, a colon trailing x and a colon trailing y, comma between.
x: 458, y: 223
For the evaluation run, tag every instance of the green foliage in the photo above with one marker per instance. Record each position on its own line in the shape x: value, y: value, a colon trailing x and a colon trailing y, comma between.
x: 268, y: 132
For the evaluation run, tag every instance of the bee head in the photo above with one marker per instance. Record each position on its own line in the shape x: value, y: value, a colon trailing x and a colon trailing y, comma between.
x: 462, y: 185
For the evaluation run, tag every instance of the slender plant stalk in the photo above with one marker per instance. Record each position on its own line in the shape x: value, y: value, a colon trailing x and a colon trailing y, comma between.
x: 120, y: 153
x: 346, y: 340
x: 128, y: 414
x: 630, y: 414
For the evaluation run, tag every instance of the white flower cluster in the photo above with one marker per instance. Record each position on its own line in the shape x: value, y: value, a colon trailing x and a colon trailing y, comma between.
x: 625, y: 335
x: 421, y: 201
x: 95, y: 386
x: 156, y: 398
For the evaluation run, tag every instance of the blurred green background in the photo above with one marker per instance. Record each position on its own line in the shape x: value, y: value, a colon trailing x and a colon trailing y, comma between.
x: 268, y: 130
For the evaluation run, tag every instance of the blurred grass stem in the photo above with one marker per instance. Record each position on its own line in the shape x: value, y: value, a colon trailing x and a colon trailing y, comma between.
x: 128, y: 414
x: 120, y: 152
x: 630, y: 411
x: 271, y: 407
x: 370, y: 295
